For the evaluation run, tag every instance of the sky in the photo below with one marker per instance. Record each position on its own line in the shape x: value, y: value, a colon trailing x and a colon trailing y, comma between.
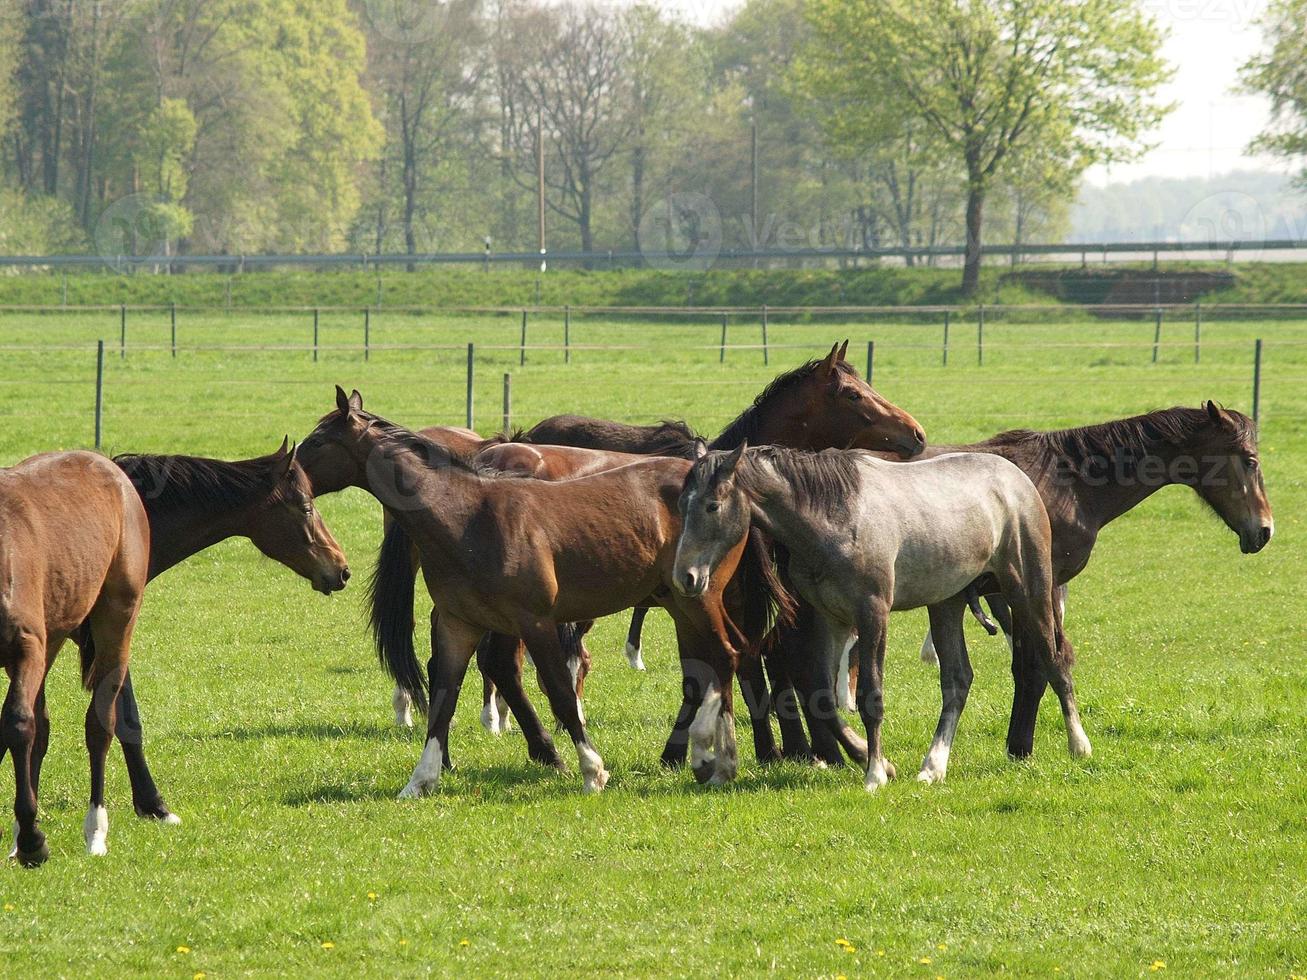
x: 1209, y: 130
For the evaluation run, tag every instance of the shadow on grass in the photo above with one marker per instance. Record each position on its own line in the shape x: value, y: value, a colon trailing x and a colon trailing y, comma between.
x: 318, y: 731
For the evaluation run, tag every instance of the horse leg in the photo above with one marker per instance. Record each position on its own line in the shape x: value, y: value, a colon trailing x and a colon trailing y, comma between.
x: 147, y: 801
x: 634, y: 654
x: 678, y: 742
x: 714, y: 757
x: 18, y: 729
x: 1039, y: 640
x: 452, y: 644
x: 785, y: 703
x: 813, y: 657
x: 872, y: 627
x: 954, y: 682
x: 501, y: 664
x: 753, y: 686
x: 546, y: 650
x: 112, y: 623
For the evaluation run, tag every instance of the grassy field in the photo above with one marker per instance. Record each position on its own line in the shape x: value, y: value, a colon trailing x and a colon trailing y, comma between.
x: 1182, y: 845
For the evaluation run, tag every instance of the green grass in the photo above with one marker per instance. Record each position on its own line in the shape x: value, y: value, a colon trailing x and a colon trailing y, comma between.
x: 1184, y: 840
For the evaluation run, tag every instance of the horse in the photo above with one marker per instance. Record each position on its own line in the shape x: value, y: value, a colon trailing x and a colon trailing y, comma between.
x: 866, y: 537
x: 517, y: 557
x: 193, y: 503
x: 1091, y: 475
x: 822, y: 403
x: 74, y: 549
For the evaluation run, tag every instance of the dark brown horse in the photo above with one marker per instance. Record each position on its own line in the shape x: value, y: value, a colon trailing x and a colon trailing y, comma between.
x: 74, y: 549
x: 192, y: 504
x: 1090, y: 476
x: 519, y: 557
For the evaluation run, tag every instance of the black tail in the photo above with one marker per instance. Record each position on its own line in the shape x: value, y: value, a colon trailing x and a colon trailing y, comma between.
x: 763, y: 598
x: 390, y: 595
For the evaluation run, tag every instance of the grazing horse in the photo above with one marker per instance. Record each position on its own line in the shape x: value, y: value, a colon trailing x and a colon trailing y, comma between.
x: 866, y: 537
x: 519, y: 557
x: 74, y: 549
x: 1090, y: 476
x: 192, y: 504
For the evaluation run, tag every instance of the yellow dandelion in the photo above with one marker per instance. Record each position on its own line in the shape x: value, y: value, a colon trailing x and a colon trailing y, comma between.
x: 9, y: 906
x: 924, y: 961
x: 465, y: 942
x: 841, y: 942
x: 403, y: 942
x: 941, y: 947
x: 1157, y: 965
x: 880, y: 952
x: 372, y: 896
x: 183, y: 950
x: 328, y: 945
x: 840, y: 976
x: 198, y: 976
x: 850, y: 948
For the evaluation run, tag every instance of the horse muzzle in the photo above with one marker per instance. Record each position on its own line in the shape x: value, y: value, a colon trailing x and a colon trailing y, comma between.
x: 691, y: 583
x: 1251, y: 542
x: 332, y: 582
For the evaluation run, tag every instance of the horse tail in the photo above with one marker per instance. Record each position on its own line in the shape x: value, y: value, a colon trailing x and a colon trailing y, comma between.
x: 390, y: 599
x: 765, y: 601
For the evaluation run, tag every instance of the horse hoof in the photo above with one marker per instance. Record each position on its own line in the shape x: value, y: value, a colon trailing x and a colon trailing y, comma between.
x: 890, y: 771
x: 595, y: 783
x: 704, y: 771
x: 634, y: 656
x: 33, y: 859
x: 672, y: 760
x: 415, y: 791
x: 160, y: 812
x: 930, y: 776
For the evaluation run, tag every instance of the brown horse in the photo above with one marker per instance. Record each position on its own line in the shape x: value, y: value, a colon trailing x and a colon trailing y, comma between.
x: 192, y: 504
x: 1090, y: 476
x: 518, y: 557
x: 74, y: 549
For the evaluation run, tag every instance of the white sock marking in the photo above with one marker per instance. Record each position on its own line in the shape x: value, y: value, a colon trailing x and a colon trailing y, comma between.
x: 704, y: 728
x: 935, y: 766
x: 592, y: 769
x: 843, y: 695
x: 505, y: 717
x: 95, y: 829
x: 877, y: 776
x: 426, y: 774
x: 403, y: 705
x: 728, y: 757
x: 634, y: 656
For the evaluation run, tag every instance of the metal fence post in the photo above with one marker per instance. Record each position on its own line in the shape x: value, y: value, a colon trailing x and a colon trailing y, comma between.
x: 1157, y: 332
x: 1257, y: 381
x: 99, y: 392
x: 172, y: 317
x: 471, y: 360
x: 722, y: 357
x: 567, y: 334
x: 508, y: 403
x: 522, y: 347
x: 871, y: 359
x: 1198, y: 329
x: 122, y: 331
x: 367, y: 333
x: 946, y: 318
x: 980, y: 335
x: 766, y: 359
x: 315, y: 336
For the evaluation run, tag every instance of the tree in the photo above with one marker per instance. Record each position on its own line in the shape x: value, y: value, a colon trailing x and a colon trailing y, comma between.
x: 988, y: 77
x: 1281, y: 73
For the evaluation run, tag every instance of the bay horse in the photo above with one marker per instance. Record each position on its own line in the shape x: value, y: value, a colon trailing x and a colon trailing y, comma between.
x: 866, y: 537
x: 1091, y: 475
x: 193, y: 503
x: 517, y: 557
x: 74, y: 549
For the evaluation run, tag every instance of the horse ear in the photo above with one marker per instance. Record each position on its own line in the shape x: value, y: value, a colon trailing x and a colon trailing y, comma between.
x: 356, y: 400
x: 843, y: 351
x: 1216, y: 414
x: 342, y: 401
x: 828, y: 365
x: 727, y: 472
x: 284, y: 459
x: 283, y: 448
x: 700, y: 449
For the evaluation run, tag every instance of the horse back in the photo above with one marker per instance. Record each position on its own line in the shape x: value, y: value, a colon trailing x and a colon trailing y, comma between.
x: 72, y: 528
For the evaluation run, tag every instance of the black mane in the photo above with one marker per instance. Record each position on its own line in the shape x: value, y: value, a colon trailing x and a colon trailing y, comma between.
x: 824, y: 483
x: 1134, y: 437
x: 173, y: 482
x: 746, y: 426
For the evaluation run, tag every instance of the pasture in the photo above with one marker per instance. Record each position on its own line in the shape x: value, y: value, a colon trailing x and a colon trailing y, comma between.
x: 1181, y: 846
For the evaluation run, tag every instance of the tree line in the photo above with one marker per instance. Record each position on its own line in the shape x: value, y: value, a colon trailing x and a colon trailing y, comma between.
x: 410, y: 126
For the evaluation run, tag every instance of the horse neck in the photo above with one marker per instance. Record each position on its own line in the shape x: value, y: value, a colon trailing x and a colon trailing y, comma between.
x: 768, y: 423
x: 440, y: 519
x: 775, y: 510
x: 180, y: 530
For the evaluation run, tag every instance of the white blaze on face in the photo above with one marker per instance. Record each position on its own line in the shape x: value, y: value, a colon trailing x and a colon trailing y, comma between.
x: 426, y: 775
x: 95, y: 829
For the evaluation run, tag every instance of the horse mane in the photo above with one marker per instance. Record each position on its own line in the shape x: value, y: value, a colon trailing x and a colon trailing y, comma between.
x: 431, y: 453
x: 665, y: 438
x: 823, y: 483
x: 171, y: 482
x: 746, y: 426
x: 1136, y: 436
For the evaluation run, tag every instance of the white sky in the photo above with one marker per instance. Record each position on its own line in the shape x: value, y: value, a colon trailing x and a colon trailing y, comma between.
x: 1210, y: 127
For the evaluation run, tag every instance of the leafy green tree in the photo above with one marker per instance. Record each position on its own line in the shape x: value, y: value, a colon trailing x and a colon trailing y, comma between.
x: 1280, y: 72
x: 988, y: 77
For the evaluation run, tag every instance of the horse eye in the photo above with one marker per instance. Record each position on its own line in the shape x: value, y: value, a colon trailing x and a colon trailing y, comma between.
x: 854, y: 396
x: 1252, y: 462
x: 713, y: 507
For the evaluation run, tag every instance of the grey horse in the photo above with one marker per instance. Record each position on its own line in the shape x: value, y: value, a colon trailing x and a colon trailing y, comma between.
x: 866, y: 537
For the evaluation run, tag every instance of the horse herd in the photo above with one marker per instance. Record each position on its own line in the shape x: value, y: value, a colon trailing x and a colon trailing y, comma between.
x: 779, y: 548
